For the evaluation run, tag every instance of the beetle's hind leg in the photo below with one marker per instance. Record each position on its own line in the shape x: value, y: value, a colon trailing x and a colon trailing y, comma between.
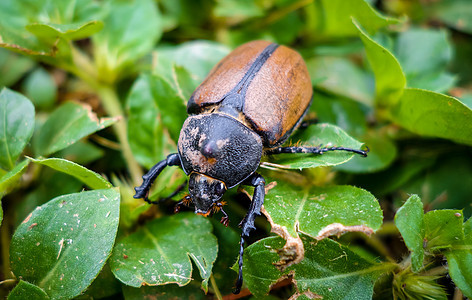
x: 315, y: 150
x: 142, y: 191
x: 247, y: 224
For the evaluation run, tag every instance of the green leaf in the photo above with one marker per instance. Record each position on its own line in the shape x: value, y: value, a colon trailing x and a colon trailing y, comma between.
x: 341, y: 77
x: 237, y: 9
x: 389, y: 77
x: 131, y: 30
x: 51, y: 23
x: 62, y: 245
x: 8, y: 181
x: 66, y: 125
x: 410, y: 222
x: 82, y: 152
x: 105, y: 285
x: 460, y: 269
x: 459, y: 261
x: 334, y: 17
x: 422, y: 50
x: 443, y: 229
x: 75, y: 31
x: 16, y: 126
x: 342, y: 112
x: 90, y: 178
x: 424, y: 55
x: 323, y: 211
x: 13, y: 67
x: 455, y: 13
x: 329, y: 269
x: 382, y: 153
x: 40, y: 87
x: 145, y: 131
x: 159, y: 253
x: 26, y: 290
x: 432, y: 114
x: 171, y: 104
x: 326, y: 135
x: 198, y: 57
x: 164, y: 292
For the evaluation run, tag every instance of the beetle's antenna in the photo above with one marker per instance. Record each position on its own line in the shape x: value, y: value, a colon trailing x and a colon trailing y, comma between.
x: 186, y: 201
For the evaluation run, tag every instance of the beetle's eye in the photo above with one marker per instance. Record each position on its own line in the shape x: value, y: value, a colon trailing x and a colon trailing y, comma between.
x: 220, y: 188
x: 191, y: 185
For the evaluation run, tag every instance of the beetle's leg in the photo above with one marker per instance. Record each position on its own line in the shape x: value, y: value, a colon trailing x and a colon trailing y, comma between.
x: 314, y: 150
x: 225, y: 218
x: 247, y: 224
x: 148, y: 178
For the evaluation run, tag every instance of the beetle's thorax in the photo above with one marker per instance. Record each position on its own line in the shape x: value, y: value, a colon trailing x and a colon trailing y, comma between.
x: 219, y: 146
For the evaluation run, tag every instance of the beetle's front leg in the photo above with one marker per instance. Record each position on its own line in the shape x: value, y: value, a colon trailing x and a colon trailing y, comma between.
x: 148, y: 178
x: 247, y: 224
x: 314, y: 150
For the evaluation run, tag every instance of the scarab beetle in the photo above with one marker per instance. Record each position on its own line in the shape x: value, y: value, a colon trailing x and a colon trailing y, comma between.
x: 249, y: 104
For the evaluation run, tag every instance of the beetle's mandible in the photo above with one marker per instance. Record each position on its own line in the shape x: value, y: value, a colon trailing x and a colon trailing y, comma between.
x: 247, y: 107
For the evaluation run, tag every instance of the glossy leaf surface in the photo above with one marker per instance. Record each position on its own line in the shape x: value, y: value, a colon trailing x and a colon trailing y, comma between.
x: 90, y: 178
x: 63, y: 244
x: 66, y: 125
x: 159, y: 253
x: 16, y: 126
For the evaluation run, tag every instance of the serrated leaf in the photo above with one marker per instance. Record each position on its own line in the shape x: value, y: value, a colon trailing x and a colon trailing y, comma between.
x: 326, y: 135
x: 323, y: 211
x: 443, y: 229
x: 329, y: 269
x: 66, y: 125
x: 432, y: 114
x: 90, y: 178
x: 16, y: 126
x: 26, y: 290
x: 159, y: 253
x: 389, y: 77
x: 8, y: 180
x: 335, y: 17
x: 63, y: 244
x: 410, y: 222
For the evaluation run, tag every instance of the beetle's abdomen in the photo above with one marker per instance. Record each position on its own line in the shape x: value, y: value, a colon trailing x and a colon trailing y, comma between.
x: 220, y: 147
x: 273, y: 86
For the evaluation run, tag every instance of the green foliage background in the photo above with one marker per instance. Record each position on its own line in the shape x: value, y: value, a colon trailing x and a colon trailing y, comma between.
x: 94, y: 92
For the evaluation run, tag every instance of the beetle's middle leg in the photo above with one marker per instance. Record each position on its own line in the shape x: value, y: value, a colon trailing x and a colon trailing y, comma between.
x: 247, y: 224
x: 148, y: 178
x: 314, y: 150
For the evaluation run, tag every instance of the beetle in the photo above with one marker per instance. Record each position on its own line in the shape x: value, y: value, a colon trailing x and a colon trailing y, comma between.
x: 247, y: 107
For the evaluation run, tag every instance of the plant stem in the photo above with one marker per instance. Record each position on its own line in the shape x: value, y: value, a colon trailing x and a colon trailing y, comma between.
x: 215, y: 288
x: 85, y: 70
x: 5, y: 248
x: 112, y: 105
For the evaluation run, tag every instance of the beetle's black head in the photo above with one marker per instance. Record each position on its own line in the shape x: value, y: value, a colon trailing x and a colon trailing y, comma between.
x: 205, y: 192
